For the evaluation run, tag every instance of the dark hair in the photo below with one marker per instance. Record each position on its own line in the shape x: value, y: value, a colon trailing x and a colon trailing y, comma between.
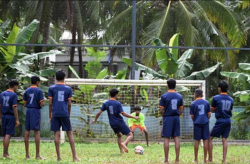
x: 113, y: 92
x: 60, y: 75
x: 171, y: 83
x: 34, y: 79
x: 198, y: 92
x: 137, y: 108
x: 13, y: 83
x: 223, y: 86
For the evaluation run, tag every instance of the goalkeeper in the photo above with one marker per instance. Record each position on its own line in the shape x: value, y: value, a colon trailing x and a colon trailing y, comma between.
x: 133, y: 123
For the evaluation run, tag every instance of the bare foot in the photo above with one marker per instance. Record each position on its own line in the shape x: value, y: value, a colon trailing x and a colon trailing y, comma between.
x: 210, y: 161
x: 177, y: 162
x: 6, y: 156
x: 224, y: 162
x: 27, y: 157
x: 166, y: 162
x: 205, y: 161
x: 76, y: 159
x: 195, y: 161
x: 124, y: 147
x: 40, y: 158
x: 59, y: 159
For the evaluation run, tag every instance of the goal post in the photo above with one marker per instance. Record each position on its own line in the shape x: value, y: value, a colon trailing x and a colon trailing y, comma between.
x: 89, y: 95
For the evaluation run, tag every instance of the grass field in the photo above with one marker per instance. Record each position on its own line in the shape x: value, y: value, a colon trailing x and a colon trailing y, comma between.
x: 109, y: 153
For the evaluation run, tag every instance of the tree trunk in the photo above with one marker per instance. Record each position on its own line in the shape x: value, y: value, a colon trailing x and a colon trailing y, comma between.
x: 72, y: 51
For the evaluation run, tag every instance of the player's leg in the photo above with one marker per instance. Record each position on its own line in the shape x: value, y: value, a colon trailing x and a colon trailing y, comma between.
x: 224, y: 142
x: 27, y: 133
x: 26, y: 141
x: 177, y: 148
x: 196, y: 148
x: 66, y: 126
x: 57, y: 145
x: 37, y: 141
x: 6, y: 143
x: 124, y: 129
x: 119, y: 141
x: 205, y: 148
x: 146, y: 135
x: 166, y: 149
x: 210, y: 149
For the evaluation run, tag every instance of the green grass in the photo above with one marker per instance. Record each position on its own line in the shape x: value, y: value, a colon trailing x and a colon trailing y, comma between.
x: 109, y: 153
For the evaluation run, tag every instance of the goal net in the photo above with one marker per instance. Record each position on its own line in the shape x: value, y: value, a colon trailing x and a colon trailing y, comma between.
x: 89, y: 95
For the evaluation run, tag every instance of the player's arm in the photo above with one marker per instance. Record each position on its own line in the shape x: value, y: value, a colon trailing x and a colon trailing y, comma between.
x: 142, y: 119
x: 50, y: 107
x: 209, y: 111
x: 161, y: 106
x: 213, y: 106
x: 16, y: 115
x: 0, y: 113
x: 42, y: 102
x: 69, y: 105
x: 192, y: 112
x: 128, y: 115
x: 181, y: 106
x: 24, y: 99
x: 97, y: 116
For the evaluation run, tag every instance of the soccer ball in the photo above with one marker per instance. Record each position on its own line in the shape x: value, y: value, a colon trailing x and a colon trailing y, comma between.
x: 139, y: 150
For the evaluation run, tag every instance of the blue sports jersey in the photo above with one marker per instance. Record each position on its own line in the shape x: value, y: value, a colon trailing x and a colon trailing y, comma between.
x: 114, y: 109
x: 223, y: 105
x: 8, y: 100
x: 171, y: 102
x: 33, y: 96
x: 60, y: 94
x: 200, y: 109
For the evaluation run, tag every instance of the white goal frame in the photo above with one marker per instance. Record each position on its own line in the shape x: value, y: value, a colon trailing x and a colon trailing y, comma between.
x: 114, y: 82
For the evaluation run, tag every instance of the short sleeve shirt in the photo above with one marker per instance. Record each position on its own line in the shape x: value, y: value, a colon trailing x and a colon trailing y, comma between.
x: 223, y: 105
x: 60, y: 94
x: 8, y: 100
x: 200, y: 109
x: 171, y: 102
x: 33, y: 96
x: 114, y: 110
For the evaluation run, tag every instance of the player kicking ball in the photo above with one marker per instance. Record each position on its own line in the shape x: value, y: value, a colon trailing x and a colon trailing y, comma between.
x: 171, y: 107
x: 114, y: 109
x: 200, y: 113
x: 222, y: 106
x: 133, y: 124
x: 34, y: 101
x: 60, y: 97
x: 9, y: 114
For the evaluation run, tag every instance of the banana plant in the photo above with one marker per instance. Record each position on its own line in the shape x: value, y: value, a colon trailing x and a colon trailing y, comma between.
x: 171, y: 65
x: 242, y: 77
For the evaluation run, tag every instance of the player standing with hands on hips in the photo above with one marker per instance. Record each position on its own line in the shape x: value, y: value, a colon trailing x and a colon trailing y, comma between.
x: 60, y: 97
x: 114, y: 109
x: 34, y: 101
x: 171, y: 107
x: 9, y: 114
x: 222, y: 106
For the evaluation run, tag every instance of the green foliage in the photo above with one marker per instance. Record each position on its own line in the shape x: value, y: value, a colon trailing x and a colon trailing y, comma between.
x: 93, y: 68
x: 73, y: 71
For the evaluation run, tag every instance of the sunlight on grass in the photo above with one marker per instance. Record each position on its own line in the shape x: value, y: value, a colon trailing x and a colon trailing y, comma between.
x: 109, y: 153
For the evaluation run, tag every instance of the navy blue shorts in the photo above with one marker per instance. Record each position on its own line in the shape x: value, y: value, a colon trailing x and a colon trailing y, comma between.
x: 33, y: 119
x: 201, y: 132
x: 222, y: 128
x: 122, y: 127
x: 8, y: 125
x: 171, y: 126
x: 58, y: 122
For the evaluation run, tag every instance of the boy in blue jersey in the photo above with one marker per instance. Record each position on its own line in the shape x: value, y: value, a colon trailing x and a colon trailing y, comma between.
x: 60, y: 97
x: 222, y: 106
x: 9, y: 114
x: 200, y: 113
x: 34, y: 101
x: 114, y: 109
x: 171, y: 107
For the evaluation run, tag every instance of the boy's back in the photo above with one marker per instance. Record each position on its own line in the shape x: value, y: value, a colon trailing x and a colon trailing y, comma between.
x: 200, y: 109
x: 114, y: 109
x: 60, y: 94
x: 8, y: 100
x: 223, y: 105
x: 33, y: 96
x: 171, y: 101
